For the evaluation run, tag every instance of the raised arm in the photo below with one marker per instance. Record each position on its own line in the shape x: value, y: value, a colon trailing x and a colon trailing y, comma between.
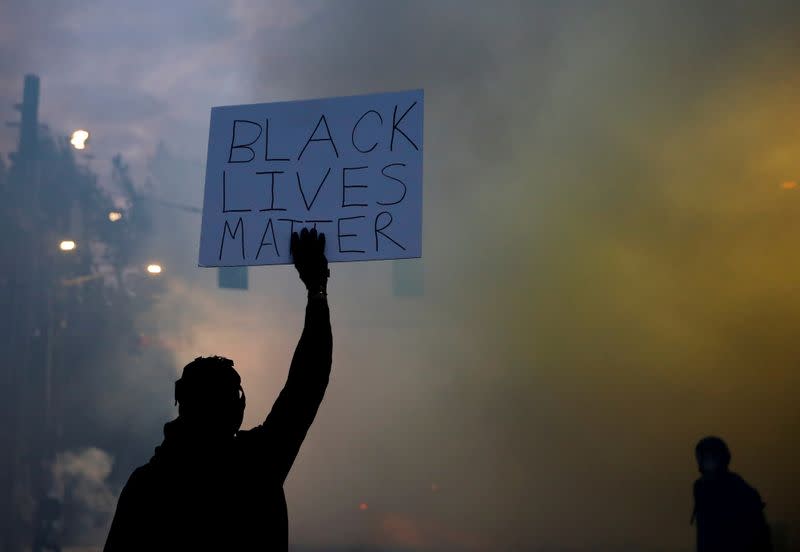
x: 293, y: 412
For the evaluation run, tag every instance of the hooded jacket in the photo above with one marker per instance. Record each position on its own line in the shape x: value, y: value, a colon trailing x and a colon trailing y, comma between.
x: 196, y: 495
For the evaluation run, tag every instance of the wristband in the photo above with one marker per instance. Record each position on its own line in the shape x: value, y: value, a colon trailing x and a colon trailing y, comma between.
x: 319, y: 291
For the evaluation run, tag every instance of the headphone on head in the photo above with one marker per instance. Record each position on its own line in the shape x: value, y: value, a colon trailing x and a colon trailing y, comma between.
x: 182, y: 385
x: 241, y: 400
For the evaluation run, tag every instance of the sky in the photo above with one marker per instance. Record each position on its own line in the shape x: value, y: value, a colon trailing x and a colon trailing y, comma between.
x: 608, y: 250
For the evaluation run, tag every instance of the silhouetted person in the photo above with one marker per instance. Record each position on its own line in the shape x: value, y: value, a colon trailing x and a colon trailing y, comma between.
x: 209, y: 485
x: 729, y: 512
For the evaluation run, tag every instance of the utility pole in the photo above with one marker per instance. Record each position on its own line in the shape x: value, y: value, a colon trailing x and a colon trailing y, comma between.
x: 25, y: 436
x: 29, y: 125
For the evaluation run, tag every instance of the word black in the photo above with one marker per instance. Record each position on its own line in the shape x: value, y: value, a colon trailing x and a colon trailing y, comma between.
x: 367, y: 132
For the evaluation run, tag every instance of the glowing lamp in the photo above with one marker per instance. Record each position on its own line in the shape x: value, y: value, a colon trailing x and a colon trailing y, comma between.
x: 78, y: 139
x: 67, y: 245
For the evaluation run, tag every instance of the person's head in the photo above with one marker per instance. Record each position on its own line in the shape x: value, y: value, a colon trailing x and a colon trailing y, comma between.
x: 712, y: 455
x: 210, y: 397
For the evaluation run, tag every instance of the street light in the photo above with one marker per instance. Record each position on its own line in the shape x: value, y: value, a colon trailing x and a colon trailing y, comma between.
x: 114, y: 216
x: 154, y: 269
x: 79, y: 139
x: 67, y: 245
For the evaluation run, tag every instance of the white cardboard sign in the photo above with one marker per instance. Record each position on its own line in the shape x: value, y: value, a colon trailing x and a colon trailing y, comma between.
x: 350, y: 167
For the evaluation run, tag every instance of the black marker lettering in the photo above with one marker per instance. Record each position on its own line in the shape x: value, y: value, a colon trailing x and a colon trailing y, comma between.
x: 300, y: 185
x: 291, y: 223
x: 384, y: 227
x: 312, y: 139
x: 353, y: 135
x: 272, y: 191
x: 317, y: 221
x: 340, y: 235
x: 224, y: 198
x: 403, y: 184
x: 273, y: 243
x: 266, y: 145
x: 227, y: 229
x: 243, y: 146
x: 396, y: 122
x: 345, y: 186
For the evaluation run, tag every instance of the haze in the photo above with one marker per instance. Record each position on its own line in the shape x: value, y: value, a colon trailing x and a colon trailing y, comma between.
x: 609, y: 251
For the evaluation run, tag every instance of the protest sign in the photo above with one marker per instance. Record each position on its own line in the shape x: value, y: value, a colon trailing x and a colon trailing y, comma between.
x: 350, y: 167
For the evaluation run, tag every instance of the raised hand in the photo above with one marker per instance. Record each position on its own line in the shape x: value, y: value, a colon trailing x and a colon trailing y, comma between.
x: 308, y: 253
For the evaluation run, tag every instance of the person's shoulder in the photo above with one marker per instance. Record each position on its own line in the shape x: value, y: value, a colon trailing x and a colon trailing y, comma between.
x: 253, y: 447
x: 243, y: 436
x: 734, y: 479
x: 141, y: 476
x: 698, y: 484
x: 246, y: 438
x: 141, y: 473
x: 743, y: 488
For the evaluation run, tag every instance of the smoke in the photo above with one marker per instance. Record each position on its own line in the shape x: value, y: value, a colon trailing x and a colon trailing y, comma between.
x: 80, y: 483
x: 609, y: 256
x: 605, y: 247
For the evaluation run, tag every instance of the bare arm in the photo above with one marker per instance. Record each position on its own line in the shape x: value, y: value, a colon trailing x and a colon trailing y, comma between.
x: 296, y: 407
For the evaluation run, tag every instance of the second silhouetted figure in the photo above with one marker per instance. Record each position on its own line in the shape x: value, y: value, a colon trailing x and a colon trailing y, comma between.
x: 209, y: 485
x: 728, y: 511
